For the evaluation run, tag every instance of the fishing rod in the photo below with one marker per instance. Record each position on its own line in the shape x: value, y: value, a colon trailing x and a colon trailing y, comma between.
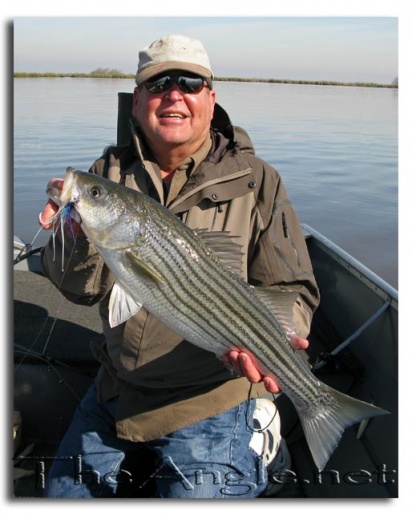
x: 26, y: 252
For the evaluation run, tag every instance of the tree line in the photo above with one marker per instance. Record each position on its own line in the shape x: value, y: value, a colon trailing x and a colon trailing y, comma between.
x: 113, y: 73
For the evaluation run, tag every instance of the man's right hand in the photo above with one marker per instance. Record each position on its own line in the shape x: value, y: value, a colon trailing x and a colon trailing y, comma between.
x: 52, y: 206
x: 54, y: 188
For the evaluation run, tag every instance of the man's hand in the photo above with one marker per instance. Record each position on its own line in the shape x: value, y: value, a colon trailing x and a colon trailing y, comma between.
x: 54, y: 188
x: 243, y: 365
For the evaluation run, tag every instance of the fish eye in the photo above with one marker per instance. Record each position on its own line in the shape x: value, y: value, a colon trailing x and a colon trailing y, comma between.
x: 96, y: 192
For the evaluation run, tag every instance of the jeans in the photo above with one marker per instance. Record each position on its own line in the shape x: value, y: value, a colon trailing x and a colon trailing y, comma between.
x: 209, y: 459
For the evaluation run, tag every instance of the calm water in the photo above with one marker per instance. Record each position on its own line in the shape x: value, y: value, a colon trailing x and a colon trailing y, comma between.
x: 335, y: 147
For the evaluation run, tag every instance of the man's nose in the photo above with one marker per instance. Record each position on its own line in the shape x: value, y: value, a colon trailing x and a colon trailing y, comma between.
x: 174, y: 93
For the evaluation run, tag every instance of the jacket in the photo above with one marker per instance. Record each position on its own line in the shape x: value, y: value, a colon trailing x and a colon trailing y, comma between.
x: 163, y: 383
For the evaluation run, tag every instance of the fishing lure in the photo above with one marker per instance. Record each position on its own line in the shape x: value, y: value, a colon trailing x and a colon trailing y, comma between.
x: 65, y: 214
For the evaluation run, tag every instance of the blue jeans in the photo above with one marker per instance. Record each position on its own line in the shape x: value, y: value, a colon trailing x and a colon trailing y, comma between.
x: 209, y: 459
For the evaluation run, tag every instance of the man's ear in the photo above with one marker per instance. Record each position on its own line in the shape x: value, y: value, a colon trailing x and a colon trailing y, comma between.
x: 136, y: 94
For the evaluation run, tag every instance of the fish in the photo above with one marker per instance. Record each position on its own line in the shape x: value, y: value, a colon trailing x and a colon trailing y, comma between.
x: 190, y: 280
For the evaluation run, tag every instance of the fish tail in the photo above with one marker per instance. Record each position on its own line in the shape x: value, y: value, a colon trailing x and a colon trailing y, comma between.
x: 334, y: 413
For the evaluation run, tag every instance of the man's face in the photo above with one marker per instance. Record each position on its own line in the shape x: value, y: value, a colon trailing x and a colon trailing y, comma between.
x: 173, y: 118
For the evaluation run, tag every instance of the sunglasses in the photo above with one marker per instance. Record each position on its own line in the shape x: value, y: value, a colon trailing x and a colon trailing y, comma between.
x: 186, y: 84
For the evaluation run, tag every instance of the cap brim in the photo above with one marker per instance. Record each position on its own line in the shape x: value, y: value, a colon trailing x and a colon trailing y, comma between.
x: 149, y: 72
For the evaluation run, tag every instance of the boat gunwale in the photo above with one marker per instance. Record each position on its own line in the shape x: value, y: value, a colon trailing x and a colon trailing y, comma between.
x: 383, y: 289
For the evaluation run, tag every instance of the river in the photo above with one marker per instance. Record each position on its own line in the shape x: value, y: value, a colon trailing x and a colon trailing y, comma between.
x: 335, y: 147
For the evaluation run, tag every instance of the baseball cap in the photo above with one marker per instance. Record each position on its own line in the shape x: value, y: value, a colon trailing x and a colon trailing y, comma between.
x: 173, y: 52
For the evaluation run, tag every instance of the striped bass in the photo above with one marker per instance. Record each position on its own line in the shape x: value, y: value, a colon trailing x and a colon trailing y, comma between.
x: 187, y: 279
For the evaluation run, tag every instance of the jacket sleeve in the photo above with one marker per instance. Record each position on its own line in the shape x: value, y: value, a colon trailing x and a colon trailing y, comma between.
x: 77, y: 270
x: 280, y: 258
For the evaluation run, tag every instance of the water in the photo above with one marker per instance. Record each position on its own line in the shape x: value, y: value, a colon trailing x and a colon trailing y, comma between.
x: 335, y: 147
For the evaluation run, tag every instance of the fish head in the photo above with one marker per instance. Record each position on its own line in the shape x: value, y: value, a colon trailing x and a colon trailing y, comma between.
x: 110, y: 215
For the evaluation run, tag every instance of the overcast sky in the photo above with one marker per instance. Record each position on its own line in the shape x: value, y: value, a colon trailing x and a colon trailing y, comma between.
x: 338, y: 48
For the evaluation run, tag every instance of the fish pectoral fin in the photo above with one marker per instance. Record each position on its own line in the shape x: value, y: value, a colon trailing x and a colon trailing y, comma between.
x: 281, y: 303
x: 142, y: 268
x: 121, y: 306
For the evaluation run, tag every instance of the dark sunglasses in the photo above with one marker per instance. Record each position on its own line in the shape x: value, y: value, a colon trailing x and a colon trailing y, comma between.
x: 186, y: 84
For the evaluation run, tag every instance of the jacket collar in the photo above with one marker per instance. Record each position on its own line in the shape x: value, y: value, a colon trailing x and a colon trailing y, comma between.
x: 224, y: 163
x: 237, y: 137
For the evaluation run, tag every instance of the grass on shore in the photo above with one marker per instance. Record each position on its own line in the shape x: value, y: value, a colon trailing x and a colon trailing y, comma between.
x: 93, y: 75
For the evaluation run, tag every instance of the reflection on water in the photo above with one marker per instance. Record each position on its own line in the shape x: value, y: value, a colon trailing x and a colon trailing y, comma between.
x: 335, y: 147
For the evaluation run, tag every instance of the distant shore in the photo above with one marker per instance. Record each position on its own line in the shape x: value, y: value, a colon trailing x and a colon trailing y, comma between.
x: 25, y: 75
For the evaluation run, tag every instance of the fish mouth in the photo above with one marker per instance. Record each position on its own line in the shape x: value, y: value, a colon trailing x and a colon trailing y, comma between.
x: 70, y: 195
x: 55, y: 195
x: 67, y: 191
x: 74, y: 214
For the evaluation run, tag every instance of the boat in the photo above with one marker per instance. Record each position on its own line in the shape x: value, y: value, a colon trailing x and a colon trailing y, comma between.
x: 353, y: 347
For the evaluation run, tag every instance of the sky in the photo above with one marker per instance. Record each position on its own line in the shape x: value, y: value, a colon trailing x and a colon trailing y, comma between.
x: 338, y: 48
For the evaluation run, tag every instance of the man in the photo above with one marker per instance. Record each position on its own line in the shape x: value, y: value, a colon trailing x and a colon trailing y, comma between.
x: 157, y: 397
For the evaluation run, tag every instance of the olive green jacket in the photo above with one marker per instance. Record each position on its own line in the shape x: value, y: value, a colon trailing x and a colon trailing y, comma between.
x: 162, y: 382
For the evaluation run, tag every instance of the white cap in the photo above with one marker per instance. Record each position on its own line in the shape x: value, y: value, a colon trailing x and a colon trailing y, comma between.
x: 173, y: 53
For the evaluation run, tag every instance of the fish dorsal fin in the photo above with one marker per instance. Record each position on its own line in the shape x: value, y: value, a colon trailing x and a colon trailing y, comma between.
x: 121, y: 306
x: 224, y: 246
x: 281, y: 303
